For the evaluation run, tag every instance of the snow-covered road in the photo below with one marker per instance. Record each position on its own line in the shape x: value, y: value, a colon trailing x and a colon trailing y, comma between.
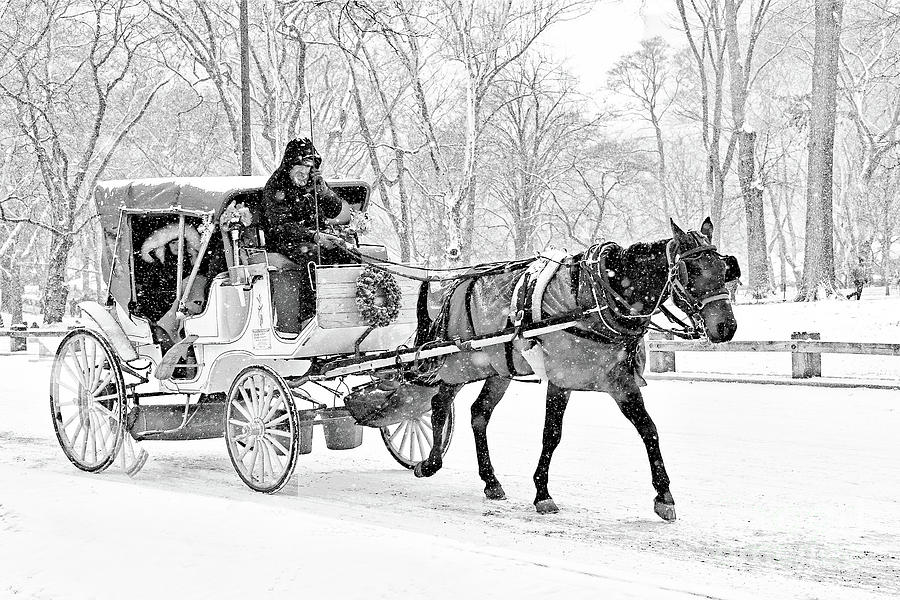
x: 781, y: 492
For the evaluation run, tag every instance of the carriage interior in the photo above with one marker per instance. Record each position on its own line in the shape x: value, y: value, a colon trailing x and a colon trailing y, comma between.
x: 155, y: 239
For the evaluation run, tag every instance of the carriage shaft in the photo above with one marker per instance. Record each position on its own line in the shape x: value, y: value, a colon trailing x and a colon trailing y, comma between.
x: 388, y: 359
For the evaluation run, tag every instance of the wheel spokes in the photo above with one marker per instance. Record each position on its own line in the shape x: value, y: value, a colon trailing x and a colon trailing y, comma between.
x: 248, y: 403
x: 276, y: 444
x: 426, y: 431
x: 277, y: 420
x: 258, y: 409
x: 273, y: 454
x: 406, y: 434
x: 86, y: 400
x: 420, y: 436
x: 273, y: 408
x: 396, y: 432
x: 76, y: 375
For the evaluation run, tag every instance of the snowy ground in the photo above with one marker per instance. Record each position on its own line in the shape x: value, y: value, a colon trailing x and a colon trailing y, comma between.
x: 782, y: 492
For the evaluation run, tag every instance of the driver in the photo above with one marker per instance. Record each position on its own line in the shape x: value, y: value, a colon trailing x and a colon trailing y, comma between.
x: 288, y: 217
x: 289, y: 207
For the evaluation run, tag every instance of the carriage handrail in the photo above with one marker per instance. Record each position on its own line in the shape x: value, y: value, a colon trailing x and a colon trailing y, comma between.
x: 176, y: 209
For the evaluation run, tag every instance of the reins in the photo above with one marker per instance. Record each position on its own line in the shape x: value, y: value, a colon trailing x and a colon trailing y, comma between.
x: 595, y: 255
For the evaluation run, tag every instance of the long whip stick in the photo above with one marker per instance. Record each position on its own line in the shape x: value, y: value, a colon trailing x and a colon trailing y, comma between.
x: 312, y: 139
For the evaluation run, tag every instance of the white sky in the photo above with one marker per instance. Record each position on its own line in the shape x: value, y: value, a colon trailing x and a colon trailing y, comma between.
x: 592, y: 43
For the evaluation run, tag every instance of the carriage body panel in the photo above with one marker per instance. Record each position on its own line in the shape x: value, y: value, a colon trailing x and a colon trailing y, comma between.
x: 236, y: 326
x: 190, y: 343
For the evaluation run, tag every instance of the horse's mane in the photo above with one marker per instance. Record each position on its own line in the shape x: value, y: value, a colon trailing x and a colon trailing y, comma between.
x: 641, y: 252
x: 642, y: 265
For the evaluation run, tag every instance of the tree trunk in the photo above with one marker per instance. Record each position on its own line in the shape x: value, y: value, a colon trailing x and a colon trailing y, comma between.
x: 246, y: 156
x: 717, y: 200
x: 886, y: 245
x: 56, y: 291
x: 661, y: 166
x: 818, y: 261
x: 757, y: 254
x: 15, y: 291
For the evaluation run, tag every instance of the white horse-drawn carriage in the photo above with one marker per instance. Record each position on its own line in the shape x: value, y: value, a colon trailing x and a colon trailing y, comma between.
x: 194, y: 343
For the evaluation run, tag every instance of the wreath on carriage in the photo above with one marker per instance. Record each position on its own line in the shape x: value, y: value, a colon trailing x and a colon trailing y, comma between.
x: 373, y: 285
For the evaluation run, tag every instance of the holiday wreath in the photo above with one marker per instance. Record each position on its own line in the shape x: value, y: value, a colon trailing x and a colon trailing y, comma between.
x: 371, y: 284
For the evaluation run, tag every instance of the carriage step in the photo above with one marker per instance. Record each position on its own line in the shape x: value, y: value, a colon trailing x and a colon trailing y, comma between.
x: 174, y: 355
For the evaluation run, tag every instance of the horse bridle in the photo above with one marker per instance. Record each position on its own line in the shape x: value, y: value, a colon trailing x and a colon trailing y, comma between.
x: 678, y: 276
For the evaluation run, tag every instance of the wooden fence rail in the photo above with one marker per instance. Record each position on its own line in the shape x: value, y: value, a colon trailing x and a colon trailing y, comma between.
x: 19, y: 334
x: 806, y: 351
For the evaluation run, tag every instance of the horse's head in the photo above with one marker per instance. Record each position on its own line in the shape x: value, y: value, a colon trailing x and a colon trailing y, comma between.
x: 698, y: 274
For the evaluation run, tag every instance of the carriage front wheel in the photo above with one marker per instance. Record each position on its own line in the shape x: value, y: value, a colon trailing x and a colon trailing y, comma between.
x: 410, y: 441
x: 261, y: 429
x: 87, y: 400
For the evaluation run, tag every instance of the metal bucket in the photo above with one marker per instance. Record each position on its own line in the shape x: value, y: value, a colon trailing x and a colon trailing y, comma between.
x: 341, y: 430
x: 305, y: 420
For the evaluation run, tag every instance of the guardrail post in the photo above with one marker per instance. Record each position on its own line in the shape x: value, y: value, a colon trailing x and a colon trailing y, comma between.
x: 661, y: 361
x: 805, y: 364
x: 16, y: 343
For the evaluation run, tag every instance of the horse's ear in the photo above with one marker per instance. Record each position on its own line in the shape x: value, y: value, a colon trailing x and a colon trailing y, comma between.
x: 707, y: 228
x: 677, y: 232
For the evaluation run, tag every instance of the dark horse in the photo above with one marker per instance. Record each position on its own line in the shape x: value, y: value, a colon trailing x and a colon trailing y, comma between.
x: 612, y: 291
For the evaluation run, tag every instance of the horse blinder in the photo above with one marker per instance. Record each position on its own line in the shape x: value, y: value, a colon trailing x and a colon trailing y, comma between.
x: 732, y: 268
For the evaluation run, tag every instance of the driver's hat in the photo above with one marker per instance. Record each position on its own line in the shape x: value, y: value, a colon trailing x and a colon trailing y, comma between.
x: 300, y: 151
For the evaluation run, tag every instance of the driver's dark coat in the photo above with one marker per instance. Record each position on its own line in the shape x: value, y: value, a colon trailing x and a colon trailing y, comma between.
x: 288, y: 212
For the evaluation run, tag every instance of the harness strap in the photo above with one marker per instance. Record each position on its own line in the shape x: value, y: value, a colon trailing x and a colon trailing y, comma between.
x: 527, y: 298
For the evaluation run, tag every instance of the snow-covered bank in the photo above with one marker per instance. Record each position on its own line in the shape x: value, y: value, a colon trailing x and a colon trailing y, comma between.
x: 781, y: 492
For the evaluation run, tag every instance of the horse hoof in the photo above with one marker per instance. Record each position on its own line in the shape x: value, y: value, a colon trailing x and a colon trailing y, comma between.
x: 665, y: 511
x: 423, y: 469
x: 546, y: 507
x: 495, y: 493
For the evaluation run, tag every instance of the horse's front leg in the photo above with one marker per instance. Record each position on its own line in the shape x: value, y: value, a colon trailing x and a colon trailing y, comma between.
x: 440, y: 410
x: 631, y: 403
x: 557, y: 400
x: 488, y: 398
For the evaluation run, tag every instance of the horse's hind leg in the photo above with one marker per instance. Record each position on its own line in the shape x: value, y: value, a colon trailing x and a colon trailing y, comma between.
x: 557, y: 400
x: 440, y: 410
x: 631, y: 403
x: 488, y: 398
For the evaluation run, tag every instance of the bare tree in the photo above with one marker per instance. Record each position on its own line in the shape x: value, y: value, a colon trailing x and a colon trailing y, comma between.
x: 818, y: 262
x: 646, y: 76
x: 70, y: 76
x: 742, y: 75
x: 538, y: 139
x: 282, y: 66
x: 870, y: 89
x: 485, y: 38
x: 704, y: 27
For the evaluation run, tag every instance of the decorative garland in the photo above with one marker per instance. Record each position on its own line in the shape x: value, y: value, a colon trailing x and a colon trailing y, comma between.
x: 370, y: 284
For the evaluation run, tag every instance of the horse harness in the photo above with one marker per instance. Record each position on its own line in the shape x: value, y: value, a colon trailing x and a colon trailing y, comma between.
x: 616, y: 319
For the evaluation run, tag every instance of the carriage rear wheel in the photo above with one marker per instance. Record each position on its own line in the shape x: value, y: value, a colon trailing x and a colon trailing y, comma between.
x: 410, y: 441
x: 87, y: 400
x: 261, y: 429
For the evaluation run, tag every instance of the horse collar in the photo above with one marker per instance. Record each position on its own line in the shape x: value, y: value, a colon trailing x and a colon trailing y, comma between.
x: 616, y: 322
